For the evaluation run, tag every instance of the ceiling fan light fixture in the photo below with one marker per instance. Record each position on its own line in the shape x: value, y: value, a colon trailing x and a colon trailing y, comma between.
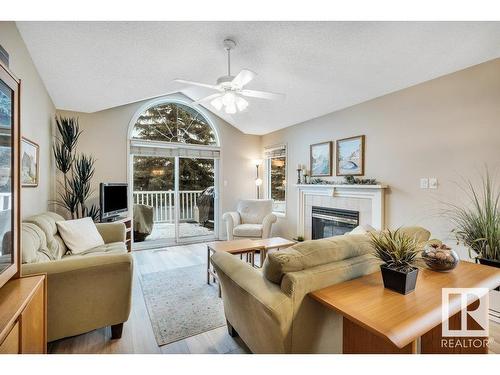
x: 217, y: 103
x: 230, y: 91
x: 228, y: 99
x: 241, y: 103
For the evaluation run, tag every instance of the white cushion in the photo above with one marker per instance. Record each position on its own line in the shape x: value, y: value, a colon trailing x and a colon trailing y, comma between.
x: 79, y: 235
x: 248, y: 230
x: 253, y: 211
x: 362, y: 229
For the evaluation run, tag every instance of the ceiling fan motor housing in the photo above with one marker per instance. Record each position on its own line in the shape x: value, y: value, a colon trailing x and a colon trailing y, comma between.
x: 225, y: 81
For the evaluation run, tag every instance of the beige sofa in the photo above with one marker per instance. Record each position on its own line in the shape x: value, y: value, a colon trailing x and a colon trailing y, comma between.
x: 271, y: 310
x: 85, y: 291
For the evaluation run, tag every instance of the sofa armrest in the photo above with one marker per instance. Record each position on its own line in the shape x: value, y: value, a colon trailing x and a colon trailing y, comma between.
x: 85, y: 292
x: 111, y: 232
x: 267, y: 224
x: 244, y: 279
x: 76, y: 263
x: 231, y: 219
x: 255, y: 307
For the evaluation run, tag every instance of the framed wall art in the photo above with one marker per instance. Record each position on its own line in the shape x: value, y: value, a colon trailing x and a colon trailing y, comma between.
x: 350, y: 156
x: 321, y: 159
x: 29, y: 163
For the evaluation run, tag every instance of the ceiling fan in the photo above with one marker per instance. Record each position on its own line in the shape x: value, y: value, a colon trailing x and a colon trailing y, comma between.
x: 231, y: 88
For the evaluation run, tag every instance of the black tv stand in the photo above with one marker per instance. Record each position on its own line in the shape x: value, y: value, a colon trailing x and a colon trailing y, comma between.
x: 111, y: 219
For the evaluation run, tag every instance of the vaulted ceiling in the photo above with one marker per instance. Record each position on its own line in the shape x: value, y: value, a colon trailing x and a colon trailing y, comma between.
x: 320, y: 66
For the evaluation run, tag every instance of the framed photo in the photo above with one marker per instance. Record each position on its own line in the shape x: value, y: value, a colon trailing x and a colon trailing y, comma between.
x: 321, y: 159
x: 350, y: 156
x: 29, y: 163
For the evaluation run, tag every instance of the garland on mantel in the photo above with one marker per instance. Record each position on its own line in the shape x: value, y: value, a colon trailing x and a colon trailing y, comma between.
x: 348, y: 180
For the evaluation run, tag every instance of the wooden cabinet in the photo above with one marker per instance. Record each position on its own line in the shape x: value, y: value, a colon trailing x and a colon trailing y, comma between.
x: 23, y: 300
x: 11, y: 343
x: 23, y: 316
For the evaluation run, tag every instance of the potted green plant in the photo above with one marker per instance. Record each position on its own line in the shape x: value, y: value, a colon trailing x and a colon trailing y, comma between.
x: 477, y: 222
x: 399, y: 254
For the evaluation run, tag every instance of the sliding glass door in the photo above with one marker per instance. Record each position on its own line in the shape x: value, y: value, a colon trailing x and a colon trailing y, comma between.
x: 197, y: 197
x: 154, y: 200
x: 174, y: 200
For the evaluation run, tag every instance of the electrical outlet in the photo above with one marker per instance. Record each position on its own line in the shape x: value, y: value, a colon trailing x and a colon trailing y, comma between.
x: 433, y: 183
x: 424, y: 183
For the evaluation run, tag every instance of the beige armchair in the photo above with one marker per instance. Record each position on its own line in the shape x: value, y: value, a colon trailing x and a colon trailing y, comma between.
x: 85, y: 291
x: 253, y: 218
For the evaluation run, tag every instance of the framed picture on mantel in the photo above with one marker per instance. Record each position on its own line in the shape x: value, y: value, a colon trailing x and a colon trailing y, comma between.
x: 350, y: 156
x: 321, y: 159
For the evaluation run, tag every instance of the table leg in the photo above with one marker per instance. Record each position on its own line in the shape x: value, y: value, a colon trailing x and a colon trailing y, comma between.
x: 208, y: 265
x: 263, y: 254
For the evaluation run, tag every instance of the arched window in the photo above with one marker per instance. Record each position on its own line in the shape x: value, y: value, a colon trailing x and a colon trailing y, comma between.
x: 174, y: 123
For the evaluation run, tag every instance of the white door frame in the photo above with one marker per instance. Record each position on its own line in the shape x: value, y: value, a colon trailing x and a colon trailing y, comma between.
x: 177, y: 239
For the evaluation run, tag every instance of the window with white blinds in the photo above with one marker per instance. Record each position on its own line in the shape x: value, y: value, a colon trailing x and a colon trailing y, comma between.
x: 276, y: 176
x: 145, y: 148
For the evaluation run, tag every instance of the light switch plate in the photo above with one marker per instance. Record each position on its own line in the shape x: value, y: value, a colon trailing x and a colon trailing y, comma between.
x: 424, y: 183
x: 433, y: 183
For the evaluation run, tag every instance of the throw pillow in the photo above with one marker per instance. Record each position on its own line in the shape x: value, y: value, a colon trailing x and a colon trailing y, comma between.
x: 79, y: 235
x: 362, y: 229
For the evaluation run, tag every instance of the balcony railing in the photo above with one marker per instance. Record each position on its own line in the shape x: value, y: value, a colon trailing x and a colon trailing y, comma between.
x: 5, y: 201
x: 163, y: 204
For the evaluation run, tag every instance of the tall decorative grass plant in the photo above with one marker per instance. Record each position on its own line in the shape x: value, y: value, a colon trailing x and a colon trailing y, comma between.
x: 476, y: 221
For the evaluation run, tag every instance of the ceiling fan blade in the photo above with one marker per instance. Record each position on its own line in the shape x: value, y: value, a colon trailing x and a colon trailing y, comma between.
x: 207, y: 98
x: 262, y: 94
x: 206, y: 85
x: 243, y: 77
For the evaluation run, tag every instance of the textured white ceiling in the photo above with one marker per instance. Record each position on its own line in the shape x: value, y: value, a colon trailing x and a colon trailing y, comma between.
x: 320, y: 66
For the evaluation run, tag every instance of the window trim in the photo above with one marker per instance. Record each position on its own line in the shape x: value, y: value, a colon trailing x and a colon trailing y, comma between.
x: 268, y: 158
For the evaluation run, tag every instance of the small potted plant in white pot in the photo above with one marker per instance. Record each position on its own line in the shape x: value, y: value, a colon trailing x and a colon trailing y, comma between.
x: 399, y: 254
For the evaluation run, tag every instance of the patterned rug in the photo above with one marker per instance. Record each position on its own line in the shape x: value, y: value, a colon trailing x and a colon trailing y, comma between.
x: 181, y: 304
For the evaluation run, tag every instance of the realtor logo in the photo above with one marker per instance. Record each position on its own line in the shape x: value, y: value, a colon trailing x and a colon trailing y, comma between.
x: 473, y: 316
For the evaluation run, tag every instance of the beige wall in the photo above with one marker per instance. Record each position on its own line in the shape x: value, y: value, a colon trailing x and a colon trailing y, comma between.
x: 445, y: 128
x: 37, y: 111
x: 105, y: 137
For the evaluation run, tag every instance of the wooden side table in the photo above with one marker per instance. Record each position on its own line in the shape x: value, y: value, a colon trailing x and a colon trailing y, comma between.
x: 377, y: 320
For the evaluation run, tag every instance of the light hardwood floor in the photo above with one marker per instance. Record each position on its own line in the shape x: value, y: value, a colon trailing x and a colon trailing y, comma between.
x: 138, y: 335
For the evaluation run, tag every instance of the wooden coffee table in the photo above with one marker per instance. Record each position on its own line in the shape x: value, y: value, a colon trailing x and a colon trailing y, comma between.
x: 246, y: 247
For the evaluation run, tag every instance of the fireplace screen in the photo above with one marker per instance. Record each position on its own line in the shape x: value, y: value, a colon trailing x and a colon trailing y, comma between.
x: 329, y: 222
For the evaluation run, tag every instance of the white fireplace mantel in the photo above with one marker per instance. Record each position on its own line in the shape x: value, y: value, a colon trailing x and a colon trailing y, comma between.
x: 375, y: 193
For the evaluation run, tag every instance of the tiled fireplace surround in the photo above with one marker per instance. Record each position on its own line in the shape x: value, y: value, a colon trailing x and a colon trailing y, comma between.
x: 367, y: 199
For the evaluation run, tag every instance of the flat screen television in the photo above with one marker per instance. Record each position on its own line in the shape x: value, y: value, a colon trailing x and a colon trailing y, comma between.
x: 113, y: 198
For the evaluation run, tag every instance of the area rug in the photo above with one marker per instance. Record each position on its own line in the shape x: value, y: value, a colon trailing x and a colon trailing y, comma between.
x: 181, y: 304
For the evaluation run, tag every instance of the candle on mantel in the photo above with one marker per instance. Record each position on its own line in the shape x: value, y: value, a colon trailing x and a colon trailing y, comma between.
x: 299, y: 166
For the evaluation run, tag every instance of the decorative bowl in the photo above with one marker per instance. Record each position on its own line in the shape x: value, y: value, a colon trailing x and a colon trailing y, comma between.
x: 440, y: 257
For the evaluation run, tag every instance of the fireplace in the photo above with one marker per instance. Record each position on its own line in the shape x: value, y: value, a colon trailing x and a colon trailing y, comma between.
x: 328, y: 222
